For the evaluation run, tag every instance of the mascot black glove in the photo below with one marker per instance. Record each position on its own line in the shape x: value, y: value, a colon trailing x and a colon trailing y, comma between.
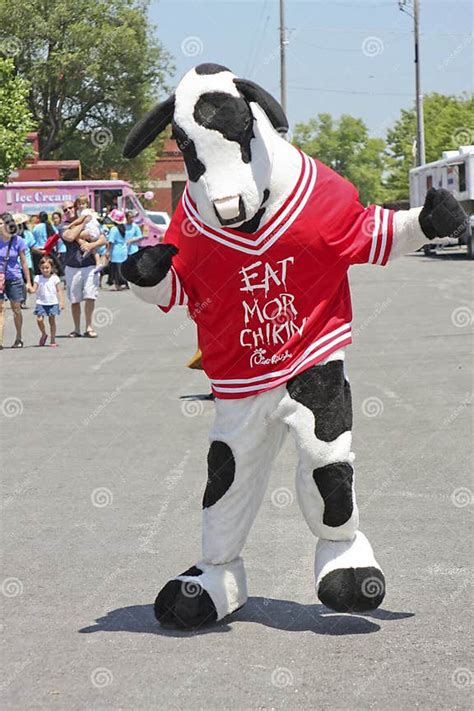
x: 150, y: 265
x: 442, y: 215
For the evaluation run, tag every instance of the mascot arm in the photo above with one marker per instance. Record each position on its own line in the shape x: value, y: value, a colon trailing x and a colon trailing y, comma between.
x: 441, y: 216
x: 373, y: 235
x: 153, y: 278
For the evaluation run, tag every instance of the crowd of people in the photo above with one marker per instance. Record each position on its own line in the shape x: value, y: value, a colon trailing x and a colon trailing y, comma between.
x: 75, y: 247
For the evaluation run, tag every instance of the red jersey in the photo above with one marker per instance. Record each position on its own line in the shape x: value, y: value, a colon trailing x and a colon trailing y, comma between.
x: 271, y: 304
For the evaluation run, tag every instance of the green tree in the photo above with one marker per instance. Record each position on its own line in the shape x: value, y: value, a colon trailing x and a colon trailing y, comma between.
x: 15, y: 120
x: 94, y: 67
x: 345, y: 146
x: 449, y: 123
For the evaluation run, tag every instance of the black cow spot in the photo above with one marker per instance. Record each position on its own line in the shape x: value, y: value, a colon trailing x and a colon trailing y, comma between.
x: 334, y: 482
x: 230, y: 115
x: 253, y: 224
x: 193, y: 570
x: 221, y: 472
x: 210, y: 68
x: 324, y: 390
x: 187, y: 147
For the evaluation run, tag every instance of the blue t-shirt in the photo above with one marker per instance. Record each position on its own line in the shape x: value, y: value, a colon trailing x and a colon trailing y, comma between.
x: 60, y: 246
x: 132, y: 232
x: 40, y: 234
x: 13, y: 270
x: 29, y: 239
x: 118, y: 245
x: 104, y: 231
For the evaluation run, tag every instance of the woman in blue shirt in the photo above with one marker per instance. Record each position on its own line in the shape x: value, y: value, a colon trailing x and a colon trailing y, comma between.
x: 12, y: 267
x: 41, y: 232
x: 118, y: 249
x: 21, y: 220
x: 60, y: 246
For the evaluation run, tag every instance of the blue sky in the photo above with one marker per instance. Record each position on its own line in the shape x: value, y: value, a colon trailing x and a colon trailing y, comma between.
x: 344, y: 56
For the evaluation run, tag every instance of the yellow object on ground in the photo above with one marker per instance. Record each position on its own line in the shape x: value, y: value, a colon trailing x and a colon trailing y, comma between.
x: 195, y: 361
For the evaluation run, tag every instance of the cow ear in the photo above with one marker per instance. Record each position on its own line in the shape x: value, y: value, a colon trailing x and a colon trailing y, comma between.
x: 254, y: 92
x: 146, y: 130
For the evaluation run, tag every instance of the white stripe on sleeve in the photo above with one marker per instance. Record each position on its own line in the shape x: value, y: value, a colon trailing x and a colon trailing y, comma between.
x: 375, y: 234
x: 383, y: 246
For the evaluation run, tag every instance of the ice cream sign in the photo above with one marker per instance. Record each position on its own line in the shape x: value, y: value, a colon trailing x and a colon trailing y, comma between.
x: 35, y: 201
x: 39, y: 197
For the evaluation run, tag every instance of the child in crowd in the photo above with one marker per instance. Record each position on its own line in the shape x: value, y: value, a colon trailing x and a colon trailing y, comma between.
x: 118, y: 249
x: 133, y: 232
x: 49, y: 300
x: 92, y: 229
x: 91, y: 233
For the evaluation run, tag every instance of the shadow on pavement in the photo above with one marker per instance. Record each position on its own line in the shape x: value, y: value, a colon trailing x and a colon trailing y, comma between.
x: 278, y: 614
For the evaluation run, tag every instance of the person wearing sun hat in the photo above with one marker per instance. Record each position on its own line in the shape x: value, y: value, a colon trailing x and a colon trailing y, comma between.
x: 118, y: 249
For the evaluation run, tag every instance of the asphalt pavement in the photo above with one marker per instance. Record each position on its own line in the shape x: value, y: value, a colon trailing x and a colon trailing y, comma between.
x: 103, y: 473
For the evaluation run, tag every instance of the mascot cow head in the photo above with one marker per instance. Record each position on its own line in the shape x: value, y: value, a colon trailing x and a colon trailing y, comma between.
x: 228, y: 130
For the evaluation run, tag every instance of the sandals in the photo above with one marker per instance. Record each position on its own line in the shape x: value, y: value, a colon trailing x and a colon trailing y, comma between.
x: 86, y: 334
x: 18, y: 344
x: 43, y: 339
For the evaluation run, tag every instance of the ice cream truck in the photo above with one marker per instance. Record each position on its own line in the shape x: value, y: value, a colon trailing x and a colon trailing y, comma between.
x: 455, y: 172
x: 48, y: 196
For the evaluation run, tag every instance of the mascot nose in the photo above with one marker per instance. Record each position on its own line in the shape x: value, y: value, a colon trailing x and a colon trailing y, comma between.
x: 229, y: 209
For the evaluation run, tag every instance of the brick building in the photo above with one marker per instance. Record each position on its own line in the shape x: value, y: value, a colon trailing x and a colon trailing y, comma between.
x: 167, y: 178
x: 36, y: 169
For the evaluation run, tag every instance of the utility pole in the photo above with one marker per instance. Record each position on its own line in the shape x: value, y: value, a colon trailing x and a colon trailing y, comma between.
x: 283, y: 43
x: 420, y: 127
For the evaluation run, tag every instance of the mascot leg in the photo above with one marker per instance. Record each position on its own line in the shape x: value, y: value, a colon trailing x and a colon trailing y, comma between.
x: 244, y: 443
x: 348, y: 578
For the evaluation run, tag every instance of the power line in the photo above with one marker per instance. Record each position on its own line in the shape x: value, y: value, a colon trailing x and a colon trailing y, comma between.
x: 388, y: 30
x: 330, y: 49
x: 357, y: 4
x: 348, y: 91
x: 257, y: 45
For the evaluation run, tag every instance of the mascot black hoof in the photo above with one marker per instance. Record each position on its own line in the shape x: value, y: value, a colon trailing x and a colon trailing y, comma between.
x: 184, y: 605
x: 352, y: 589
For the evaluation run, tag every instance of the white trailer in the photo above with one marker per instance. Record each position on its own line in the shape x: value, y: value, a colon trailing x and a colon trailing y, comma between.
x: 455, y: 172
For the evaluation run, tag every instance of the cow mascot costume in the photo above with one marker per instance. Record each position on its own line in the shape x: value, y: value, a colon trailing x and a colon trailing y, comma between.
x: 258, y: 250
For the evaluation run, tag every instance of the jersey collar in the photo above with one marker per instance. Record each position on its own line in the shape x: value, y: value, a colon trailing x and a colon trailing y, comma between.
x: 269, y: 233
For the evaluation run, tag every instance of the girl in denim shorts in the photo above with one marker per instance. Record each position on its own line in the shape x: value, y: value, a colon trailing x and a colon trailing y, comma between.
x: 49, y: 300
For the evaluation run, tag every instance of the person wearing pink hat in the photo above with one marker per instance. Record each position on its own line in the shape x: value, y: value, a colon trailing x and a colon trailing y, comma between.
x: 117, y: 250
